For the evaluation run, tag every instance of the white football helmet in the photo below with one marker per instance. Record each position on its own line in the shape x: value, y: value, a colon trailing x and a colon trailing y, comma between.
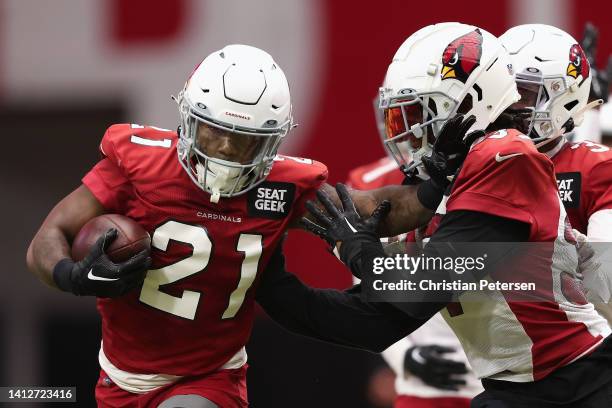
x: 553, y: 77
x: 441, y: 70
x: 239, y: 89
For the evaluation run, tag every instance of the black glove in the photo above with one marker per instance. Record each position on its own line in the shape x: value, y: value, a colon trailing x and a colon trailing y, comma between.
x: 451, y: 147
x: 97, y: 275
x: 600, y: 82
x: 427, y: 363
x: 449, y: 151
x: 344, y: 226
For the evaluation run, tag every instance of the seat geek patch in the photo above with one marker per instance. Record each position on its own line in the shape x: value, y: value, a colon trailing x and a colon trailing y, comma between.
x: 568, y: 185
x: 271, y: 199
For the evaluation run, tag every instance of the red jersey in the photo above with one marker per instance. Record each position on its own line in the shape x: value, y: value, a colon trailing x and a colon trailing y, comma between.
x: 383, y: 172
x: 504, y: 175
x: 584, y: 178
x: 195, y: 309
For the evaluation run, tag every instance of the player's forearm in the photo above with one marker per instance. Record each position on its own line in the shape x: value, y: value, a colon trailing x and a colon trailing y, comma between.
x: 48, y: 247
x: 337, y: 317
x: 330, y: 315
x: 52, y: 242
x: 407, y: 213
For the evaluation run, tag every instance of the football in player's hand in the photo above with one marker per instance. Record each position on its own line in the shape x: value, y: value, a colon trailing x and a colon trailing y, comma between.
x: 131, y: 237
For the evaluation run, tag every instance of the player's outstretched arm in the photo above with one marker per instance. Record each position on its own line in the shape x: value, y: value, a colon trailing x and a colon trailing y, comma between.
x: 339, y: 317
x: 414, y: 205
x: 361, y: 247
x: 95, y: 275
x: 51, y: 243
x: 407, y: 212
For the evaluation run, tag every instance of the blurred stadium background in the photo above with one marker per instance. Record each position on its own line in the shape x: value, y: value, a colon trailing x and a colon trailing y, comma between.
x: 70, y: 68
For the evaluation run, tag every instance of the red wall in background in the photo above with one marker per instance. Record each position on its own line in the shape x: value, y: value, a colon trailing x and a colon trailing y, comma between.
x: 598, y: 12
x: 136, y: 22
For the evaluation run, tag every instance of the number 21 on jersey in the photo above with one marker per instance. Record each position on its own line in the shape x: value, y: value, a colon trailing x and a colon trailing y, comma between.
x: 187, y: 304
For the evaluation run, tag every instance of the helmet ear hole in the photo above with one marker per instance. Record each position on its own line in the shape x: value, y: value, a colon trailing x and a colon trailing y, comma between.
x: 432, y: 106
x: 570, y: 105
x: 466, y: 105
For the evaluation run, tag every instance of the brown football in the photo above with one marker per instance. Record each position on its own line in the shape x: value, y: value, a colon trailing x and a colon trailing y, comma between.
x: 131, y: 237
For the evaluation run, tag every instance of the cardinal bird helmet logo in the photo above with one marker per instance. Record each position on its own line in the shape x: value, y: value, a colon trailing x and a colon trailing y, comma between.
x: 579, y: 65
x: 462, y: 56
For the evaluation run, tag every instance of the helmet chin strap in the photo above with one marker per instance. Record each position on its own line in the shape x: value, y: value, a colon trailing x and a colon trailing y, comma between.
x: 216, y: 178
x: 548, y: 140
x: 589, y: 106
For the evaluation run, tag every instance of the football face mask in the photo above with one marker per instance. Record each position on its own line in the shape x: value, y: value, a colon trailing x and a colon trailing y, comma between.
x: 532, y: 113
x: 412, y: 125
x: 223, y: 159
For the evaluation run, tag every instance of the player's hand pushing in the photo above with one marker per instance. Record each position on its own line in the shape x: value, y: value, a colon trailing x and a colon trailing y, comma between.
x: 344, y: 225
x: 97, y: 275
x: 429, y: 364
x: 450, y: 148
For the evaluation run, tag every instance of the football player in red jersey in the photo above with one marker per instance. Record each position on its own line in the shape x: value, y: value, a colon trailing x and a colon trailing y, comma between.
x: 430, y: 365
x: 554, y: 78
x: 217, y: 201
x: 505, y: 191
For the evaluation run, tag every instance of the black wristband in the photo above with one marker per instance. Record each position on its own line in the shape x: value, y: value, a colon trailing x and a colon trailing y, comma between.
x: 62, y: 275
x: 430, y: 194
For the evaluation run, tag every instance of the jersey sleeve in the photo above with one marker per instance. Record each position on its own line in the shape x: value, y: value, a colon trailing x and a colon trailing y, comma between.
x: 380, y: 173
x: 110, y: 145
x: 107, y: 180
x: 599, y: 188
x: 354, y: 179
x: 503, y: 179
x: 311, y: 177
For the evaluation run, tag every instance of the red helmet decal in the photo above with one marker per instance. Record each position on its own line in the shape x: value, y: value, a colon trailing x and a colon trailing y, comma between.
x: 462, y: 56
x: 579, y: 64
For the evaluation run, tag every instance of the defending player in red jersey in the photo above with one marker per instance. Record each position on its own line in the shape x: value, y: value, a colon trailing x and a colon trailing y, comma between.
x: 429, y: 364
x: 217, y: 200
x: 505, y: 191
x: 554, y: 78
